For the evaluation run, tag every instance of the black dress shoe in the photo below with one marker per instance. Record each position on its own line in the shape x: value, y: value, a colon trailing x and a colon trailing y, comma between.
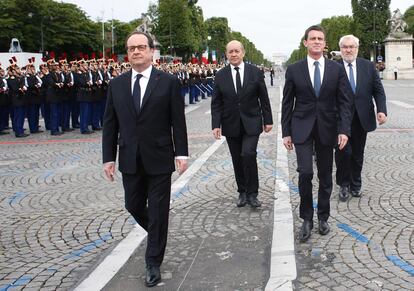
x: 356, y: 192
x: 97, y: 128
x: 37, y: 131
x: 253, y: 201
x: 22, y: 135
x: 242, y: 200
x: 343, y: 193
x: 324, y: 227
x: 57, y: 133
x: 87, y: 132
x: 153, y: 276
x: 305, y: 231
x: 3, y: 132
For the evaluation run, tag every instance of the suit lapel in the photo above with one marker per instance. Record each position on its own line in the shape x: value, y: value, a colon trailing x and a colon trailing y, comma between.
x: 127, y: 92
x: 306, y: 75
x: 325, y: 75
x: 359, y: 72
x: 152, y: 83
x: 246, y: 79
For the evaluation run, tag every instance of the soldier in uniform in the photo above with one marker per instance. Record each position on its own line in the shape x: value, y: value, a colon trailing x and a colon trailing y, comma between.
x: 4, y: 103
x: 54, y: 85
x: 84, y: 96
x: 17, y: 89
x: 33, y: 95
x: 73, y: 75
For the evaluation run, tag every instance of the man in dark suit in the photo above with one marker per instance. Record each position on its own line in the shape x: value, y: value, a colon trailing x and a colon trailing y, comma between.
x: 144, y: 116
x: 240, y: 110
x: 316, y: 111
x: 365, y: 85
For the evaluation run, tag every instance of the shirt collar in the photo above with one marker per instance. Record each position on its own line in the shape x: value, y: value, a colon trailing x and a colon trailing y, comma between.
x: 145, y: 73
x: 353, y: 63
x: 241, y: 66
x: 321, y: 61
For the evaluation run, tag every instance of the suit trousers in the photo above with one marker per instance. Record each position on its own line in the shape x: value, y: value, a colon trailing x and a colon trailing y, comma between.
x: 349, y: 161
x: 147, y: 198
x: 243, y: 150
x: 324, y: 161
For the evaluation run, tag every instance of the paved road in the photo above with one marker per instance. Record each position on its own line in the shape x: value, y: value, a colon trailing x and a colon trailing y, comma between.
x: 60, y: 218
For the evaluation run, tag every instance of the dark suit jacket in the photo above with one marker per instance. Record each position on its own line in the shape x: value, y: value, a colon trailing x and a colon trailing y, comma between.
x: 301, y: 107
x: 156, y: 134
x: 251, y: 106
x: 368, y: 86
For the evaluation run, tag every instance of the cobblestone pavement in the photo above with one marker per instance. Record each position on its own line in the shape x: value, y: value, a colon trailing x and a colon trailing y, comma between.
x: 370, y: 245
x: 60, y: 217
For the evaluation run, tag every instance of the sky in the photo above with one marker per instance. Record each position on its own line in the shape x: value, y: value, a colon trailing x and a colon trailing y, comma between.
x: 273, y: 26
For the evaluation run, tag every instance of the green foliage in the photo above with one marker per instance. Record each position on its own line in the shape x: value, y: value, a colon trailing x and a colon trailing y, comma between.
x: 336, y: 27
x: 217, y: 28
x: 409, y: 18
x: 370, y: 17
x: 297, y: 54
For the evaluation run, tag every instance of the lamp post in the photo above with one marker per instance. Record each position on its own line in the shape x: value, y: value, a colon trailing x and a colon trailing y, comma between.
x: 42, y: 17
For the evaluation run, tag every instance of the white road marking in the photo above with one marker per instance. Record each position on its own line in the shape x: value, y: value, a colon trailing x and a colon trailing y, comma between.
x: 401, y: 104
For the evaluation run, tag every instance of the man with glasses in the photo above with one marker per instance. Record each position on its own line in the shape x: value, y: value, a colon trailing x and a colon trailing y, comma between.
x: 365, y: 85
x: 144, y: 116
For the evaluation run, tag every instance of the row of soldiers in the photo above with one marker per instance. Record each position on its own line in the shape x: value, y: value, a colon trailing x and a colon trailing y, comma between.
x: 72, y: 95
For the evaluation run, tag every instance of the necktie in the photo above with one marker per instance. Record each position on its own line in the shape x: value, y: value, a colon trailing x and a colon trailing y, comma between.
x: 238, y: 80
x: 317, y: 79
x: 351, y: 78
x: 136, y: 93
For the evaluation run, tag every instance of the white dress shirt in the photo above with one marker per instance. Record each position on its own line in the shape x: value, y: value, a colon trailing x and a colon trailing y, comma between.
x: 143, y: 82
x: 311, y: 67
x: 234, y: 72
x: 353, y: 69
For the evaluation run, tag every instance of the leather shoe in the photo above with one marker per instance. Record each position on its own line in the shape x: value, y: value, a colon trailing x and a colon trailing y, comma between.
x: 253, y: 201
x: 343, y: 193
x: 22, y: 135
x: 87, y: 132
x: 323, y: 227
x: 305, y: 231
x: 57, y: 133
x: 242, y: 200
x: 153, y: 276
x: 356, y: 193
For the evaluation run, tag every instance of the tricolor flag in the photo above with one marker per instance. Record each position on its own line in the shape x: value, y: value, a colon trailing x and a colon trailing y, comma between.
x: 213, y: 57
x: 204, y: 57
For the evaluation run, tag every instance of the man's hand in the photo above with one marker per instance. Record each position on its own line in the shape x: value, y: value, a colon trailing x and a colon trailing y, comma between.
x: 109, y: 169
x: 342, y: 140
x: 217, y: 133
x: 267, y: 127
x: 287, y: 142
x: 381, y: 117
x: 182, y: 165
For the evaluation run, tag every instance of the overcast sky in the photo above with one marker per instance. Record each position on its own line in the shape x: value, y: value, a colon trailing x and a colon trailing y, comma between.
x: 273, y: 26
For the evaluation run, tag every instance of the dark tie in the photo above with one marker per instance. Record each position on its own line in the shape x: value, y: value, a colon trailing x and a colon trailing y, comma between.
x: 351, y: 78
x: 238, y: 80
x: 136, y: 93
x: 317, y: 79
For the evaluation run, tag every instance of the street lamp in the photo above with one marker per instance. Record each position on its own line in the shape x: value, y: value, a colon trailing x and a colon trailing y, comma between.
x: 42, y: 17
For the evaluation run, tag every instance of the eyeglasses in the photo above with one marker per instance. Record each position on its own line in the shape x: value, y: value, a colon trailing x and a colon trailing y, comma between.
x: 141, y: 48
x: 351, y: 47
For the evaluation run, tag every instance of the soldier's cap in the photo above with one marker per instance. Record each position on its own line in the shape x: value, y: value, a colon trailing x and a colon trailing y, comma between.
x: 13, y: 63
x: 91, y: 61
x: 101, y: 60
x: 51, y: 62
x: 63, y: 62
x: 81, y: 61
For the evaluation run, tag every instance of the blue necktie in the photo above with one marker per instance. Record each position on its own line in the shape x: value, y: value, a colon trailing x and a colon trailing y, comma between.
x: 136, y: 93
x: 351, y: 78
x: 317, y: 79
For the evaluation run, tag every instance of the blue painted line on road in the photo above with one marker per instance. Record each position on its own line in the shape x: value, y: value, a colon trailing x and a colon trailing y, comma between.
x: 22, y: 281
x: 402, y: 264
x: 88, y: 247
x: 359, y: 237
x: 207, y: 176
x: 131, y: 220
x: 315, y: 204
x: 293, y: 187
x: 17, y: 197
x: 180, y: 193
x: 46, y: 175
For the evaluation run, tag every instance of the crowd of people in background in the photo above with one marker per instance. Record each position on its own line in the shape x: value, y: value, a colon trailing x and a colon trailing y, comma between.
x: 72, y: 95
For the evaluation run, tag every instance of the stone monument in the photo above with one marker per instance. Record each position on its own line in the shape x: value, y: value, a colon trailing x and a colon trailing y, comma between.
x: 146, y: 26
x: 398, y: 49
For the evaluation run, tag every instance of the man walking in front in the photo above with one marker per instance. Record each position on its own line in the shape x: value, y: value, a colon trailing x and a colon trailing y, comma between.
x: 144, y: 116
x: 365, y: 85
x: 240, y: 110
x: 316, y: 111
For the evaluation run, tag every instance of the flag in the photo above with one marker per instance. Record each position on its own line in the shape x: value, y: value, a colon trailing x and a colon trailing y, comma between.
x: 213, y: 57
x: 194, y: 59
x: 204, y: 57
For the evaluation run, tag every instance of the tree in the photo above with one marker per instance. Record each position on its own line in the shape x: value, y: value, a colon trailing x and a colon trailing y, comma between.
x: 336, y: 27
x: 297, y: 54
x: 370, y: 17
x: 409, y: 18
x: 218, y: 29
